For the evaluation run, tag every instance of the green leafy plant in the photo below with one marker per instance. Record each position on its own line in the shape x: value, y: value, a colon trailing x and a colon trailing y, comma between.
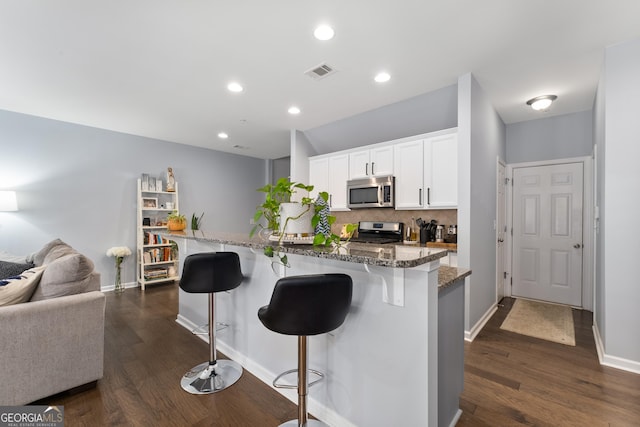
x: 195, y: 221
x: 176, y: 216
x: 269, y: 210
x: 275, y: 195
x: 176, y: 221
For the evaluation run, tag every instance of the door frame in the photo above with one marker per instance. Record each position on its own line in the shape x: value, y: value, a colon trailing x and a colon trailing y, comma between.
x: 500, y: 278
x: 587, y: 224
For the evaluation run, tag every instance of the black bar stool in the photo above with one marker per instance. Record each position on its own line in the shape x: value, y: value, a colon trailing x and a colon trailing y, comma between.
x: 210, y: 273
x: 302, y: 306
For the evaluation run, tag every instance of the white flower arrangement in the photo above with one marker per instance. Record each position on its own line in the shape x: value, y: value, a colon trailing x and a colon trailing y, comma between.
x: 119, y: 251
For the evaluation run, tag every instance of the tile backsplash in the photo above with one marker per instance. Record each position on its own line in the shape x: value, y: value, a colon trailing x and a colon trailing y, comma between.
x: 445, y: 217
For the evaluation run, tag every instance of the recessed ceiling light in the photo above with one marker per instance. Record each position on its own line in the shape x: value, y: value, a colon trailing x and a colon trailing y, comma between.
x: 382, y: 77
x: 223, y: 135
x: 294, y: 110
x: 235, y: 87
x: 323, y: 32
x: 541, y: 102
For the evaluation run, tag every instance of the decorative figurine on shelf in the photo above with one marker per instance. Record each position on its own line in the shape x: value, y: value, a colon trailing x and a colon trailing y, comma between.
x: 171, y: 181
x: 119, y: 253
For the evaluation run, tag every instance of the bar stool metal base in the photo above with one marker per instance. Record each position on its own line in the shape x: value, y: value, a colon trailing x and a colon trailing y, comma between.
x: 207, y: 379
x: 310, y: 423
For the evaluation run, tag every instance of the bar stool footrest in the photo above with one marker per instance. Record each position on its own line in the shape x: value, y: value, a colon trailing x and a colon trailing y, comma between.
x: 319, y: 374
x: 204, y: 329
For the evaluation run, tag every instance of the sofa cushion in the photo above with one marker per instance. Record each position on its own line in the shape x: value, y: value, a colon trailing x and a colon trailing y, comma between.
x: 58, y: 252
x: 19, y: 289
x: 38, y: 257
x: 10, y: 269
x: 67, y: 275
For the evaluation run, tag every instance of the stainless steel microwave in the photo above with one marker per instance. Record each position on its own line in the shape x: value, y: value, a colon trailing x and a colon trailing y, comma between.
x: 374, y: 192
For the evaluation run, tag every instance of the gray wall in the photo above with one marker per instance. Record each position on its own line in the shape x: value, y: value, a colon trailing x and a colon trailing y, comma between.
x: 558, y: 137
x: 424, y: 113
x: 79, y: 183
x: 618, y: 250
x: 482, y: 139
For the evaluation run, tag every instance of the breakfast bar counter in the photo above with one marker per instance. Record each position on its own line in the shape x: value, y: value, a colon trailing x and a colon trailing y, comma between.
x: 386, y: 364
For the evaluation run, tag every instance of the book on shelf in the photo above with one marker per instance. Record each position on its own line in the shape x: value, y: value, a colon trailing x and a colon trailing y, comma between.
x: 155, y: 239
x: 156, y: 273
x: 157, y: 255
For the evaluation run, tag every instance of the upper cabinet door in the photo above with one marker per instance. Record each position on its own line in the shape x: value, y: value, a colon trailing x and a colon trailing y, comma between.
x: 441, y: 171
x: 319, y: 175
x: 408, y: 168
x: 338, y: 176
x: 359, y: 165
x: 381, y: 161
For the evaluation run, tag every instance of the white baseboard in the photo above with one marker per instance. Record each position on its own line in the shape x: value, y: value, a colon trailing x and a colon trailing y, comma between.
x: 471, y: 335
x: 613, y: 361
x: 110, y: 288
x: 318, y: 410
x: 456, y: 418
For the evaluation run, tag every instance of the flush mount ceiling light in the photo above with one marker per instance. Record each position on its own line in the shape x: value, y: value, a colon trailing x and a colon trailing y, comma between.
x: 235, y: 87
x: 541, y: 102
x: 323, y: 32
x: 223, y: 135
x: 294, y: 110
x: 382, y: 77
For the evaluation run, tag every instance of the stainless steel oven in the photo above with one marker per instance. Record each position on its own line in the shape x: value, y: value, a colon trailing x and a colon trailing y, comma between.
x: 375, y: 192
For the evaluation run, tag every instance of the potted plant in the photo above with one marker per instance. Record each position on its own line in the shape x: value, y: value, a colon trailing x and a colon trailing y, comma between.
x: 195, y: 221
x: 176, y: 221
x: 276, y: 196
x: 285, y: 217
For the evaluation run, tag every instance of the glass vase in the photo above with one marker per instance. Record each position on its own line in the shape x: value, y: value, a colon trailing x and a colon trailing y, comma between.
x: 119, y: 287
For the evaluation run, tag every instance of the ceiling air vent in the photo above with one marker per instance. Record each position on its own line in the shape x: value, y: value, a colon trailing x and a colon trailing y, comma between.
x: 319, y: 72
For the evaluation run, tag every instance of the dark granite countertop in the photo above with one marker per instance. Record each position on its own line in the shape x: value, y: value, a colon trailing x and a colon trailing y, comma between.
x: 449, y: 275
x: 389, y: 255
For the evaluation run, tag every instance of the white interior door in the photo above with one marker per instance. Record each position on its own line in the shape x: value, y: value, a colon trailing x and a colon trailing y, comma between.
x: 501, y: 228
x: 547, y: 233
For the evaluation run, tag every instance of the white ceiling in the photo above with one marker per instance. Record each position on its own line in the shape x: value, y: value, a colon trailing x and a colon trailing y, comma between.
x: 159, y: 68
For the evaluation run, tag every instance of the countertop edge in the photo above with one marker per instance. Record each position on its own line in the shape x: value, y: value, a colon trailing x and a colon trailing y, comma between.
x: 234, y: 239
x: 447, y: 276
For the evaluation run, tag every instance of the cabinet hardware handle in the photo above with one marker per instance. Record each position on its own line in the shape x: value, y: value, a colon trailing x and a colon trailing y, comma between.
x: 330, y: 200
x: 429, y: 195
x: 372, y: 172
x: 420, y: 196
x: 366, y: 168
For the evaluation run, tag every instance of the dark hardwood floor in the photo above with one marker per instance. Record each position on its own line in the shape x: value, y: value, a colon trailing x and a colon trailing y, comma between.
x: 146, y: 354
x: 510, y: 379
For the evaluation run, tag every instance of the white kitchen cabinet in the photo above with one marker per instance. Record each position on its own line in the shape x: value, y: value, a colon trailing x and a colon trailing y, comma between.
x: 359, y: 164
x: 372, y: 162
x: 441, y: 171
x: 408, y: 166
x: 319, y: 175
x: 330, y: 174
x: 338, y: 176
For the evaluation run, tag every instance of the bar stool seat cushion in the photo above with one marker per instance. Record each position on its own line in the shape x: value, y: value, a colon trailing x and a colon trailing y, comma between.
x: 308, y: 305
x: 211, y: 272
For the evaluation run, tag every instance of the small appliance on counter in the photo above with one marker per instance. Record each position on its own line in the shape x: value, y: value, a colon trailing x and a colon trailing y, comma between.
x: 440, y: 233
x: 452, y: 234
x: 379, y: 232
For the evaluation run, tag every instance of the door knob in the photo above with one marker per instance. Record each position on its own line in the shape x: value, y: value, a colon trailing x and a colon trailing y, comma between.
x: 577, y: 246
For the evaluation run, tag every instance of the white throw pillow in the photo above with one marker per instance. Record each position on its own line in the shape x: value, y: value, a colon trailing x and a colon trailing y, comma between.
x: 19, y: 290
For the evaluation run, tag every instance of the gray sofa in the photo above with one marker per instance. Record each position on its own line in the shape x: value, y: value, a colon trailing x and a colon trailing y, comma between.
x: 54, y: 342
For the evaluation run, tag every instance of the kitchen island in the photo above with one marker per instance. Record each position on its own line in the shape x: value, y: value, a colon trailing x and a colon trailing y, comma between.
x: 383, y: 364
